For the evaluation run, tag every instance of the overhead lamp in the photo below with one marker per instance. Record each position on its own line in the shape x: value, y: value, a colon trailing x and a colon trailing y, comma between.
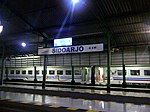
x: 75, y: 1
x: 1, y: 28
x: 23, y: 44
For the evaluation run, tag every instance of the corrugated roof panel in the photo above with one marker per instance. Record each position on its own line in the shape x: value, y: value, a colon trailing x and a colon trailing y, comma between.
x: 127, y: 20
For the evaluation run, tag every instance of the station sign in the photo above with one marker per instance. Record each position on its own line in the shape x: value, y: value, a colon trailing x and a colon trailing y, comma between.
x: 71, y: 49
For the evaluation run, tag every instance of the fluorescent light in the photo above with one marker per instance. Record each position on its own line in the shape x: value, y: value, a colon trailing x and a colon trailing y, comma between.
x: 75, y: 1
x: 1, y: 29
x: 23, y: 44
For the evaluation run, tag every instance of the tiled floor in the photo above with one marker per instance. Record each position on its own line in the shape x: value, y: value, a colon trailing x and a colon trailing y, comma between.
x: 136, y: 94
x: 73, y: 103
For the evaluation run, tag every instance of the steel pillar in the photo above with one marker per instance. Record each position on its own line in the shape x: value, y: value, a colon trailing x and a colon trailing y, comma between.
x: 44, y: 72
x: 108, y: 63
x: 35, y: 78
x: 2, y: 66
x: 72, y: 81
x: 93, y: 75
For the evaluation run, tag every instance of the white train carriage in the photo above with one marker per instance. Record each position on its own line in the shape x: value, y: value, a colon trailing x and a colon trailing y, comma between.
x: 134, y: 75
x: 53, y: 74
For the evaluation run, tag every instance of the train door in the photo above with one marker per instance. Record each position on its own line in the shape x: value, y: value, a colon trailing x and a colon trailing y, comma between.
x: 113, y: 73
x: 99, y: 75
x: 85, y: 74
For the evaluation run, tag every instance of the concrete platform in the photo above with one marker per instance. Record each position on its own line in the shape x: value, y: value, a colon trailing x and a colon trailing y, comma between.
x: 87, y: 100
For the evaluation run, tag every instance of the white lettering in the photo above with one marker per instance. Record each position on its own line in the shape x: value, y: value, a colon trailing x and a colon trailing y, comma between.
x: 72, y: 49
x: 68, y: 49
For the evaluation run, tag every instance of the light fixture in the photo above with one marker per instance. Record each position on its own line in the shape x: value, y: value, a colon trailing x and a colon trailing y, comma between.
x: 75, y: 1
x: 23, y: 44
x: 1, y: 28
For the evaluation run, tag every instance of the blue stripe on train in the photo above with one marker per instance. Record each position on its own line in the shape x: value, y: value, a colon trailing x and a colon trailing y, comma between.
x: 130, y: 78
x: 61, y: 76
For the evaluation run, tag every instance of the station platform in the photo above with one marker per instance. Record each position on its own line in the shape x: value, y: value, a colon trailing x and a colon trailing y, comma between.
x: 84, y: 86
x: 72, y: 99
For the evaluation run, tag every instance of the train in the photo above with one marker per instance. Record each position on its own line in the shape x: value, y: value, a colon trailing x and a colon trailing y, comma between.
x: 53, y: 73
x: 133, y: 74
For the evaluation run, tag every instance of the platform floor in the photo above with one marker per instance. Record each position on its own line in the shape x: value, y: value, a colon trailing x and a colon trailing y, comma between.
x: 123, y: 93
x: 76, y: 104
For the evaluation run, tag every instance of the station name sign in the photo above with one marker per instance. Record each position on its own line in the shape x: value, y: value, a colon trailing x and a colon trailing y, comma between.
x: 71, y: 49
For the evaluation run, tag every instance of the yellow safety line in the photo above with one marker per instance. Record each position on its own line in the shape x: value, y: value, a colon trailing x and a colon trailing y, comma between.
x: 147, y: 104
x: 72, y: 109
x: 56, y: 97
x: 92, y: 111
x: 12, y: 101
x: 24, y: 102
x: 81, y: 99
x: 54, y: 106
x: 38, y: 103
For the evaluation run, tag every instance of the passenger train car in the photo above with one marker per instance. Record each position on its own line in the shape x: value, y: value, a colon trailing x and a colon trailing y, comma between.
x: 53, y: 73
x: 134, y: 75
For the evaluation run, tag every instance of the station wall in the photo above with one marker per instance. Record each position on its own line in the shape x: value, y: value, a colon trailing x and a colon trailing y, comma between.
x: 128, y: 56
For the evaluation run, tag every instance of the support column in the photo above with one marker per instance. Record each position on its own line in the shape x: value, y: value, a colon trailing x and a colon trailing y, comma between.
x: 93, y: 75
x: 35, y: 78
x: 124, y: 70
x: 135, y: 55
x: 2, y: 66
x: 108, y: 63
x: 44, y: 72
x: 124, y: 77
x: 44, y: 69
x: 72, y: 81
x: 7, y: 74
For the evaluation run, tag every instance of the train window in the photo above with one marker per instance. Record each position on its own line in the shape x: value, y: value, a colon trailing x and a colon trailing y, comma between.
x: 51, y: 72
x: 113, y: 72
x: 37, y: 72
x: 135, y: 72
x: 43, y: 72
x: 12, y: 71
x: 147, y: 72
x: 17, y: 71
x: 77, y: 72
x: 23, y: 71
x: 120, y: 72
x: 68, y: 72
x: 59, y: 72
x: 30, y: 72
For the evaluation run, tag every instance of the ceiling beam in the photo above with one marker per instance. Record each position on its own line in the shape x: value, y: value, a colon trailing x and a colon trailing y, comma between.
x: 126, y: 14
x: 50, y: 28
x: 25, y: 21
x: 132, y: 44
